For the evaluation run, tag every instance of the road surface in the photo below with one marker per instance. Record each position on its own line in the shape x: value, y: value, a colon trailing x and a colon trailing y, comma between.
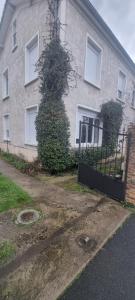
x: 111, y: 275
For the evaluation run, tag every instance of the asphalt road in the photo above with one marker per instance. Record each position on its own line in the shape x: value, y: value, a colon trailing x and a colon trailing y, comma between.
x: 111, y: 275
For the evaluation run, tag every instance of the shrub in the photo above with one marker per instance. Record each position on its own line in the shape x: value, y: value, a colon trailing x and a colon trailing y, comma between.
x: 30, y: 168
x: 92, y: 156
x: 111, y: 114
x: 52, y: 125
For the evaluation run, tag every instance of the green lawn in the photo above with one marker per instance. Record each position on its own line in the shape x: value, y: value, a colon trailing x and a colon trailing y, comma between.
x: 7, y: 250
x: 11, y: 195
x: 73, y: 186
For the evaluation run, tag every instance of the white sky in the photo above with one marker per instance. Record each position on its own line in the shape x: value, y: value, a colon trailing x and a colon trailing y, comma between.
x: 120, y: 17
x: 2, y: 2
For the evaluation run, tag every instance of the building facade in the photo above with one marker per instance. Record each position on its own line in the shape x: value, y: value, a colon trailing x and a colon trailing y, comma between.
x: 104, y: 70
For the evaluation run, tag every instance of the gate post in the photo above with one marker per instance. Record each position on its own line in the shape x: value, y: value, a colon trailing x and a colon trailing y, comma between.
x: 130, y: 170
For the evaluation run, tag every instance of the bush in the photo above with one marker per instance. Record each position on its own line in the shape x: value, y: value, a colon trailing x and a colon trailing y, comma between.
x: 90, y: 156
x: 52, y: 124
x: 20, y: 164
x: 111, y: 114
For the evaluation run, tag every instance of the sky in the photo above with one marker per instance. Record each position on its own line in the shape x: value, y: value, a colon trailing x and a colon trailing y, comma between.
x: 2, y: 2
x: 119, y: 16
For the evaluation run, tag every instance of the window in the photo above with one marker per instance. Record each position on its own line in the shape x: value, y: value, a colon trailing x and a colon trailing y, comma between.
x: 5, y: 84
x: 90, y: 129
x: 133, y: 99
x: 14, y: 36
x: 93, y: 63
x: 31, y: 58
x: 30, y: 129
x: 121, y: 85
x: 7, y: 128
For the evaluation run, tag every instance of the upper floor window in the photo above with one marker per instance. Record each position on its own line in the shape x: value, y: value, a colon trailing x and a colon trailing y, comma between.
x: 31, y: 58
x: 6, y: 128
x: 133, y: 99
x: 14, y: 35
x: 93, y: 63
x: 121, y: 85
x: 5, y: 84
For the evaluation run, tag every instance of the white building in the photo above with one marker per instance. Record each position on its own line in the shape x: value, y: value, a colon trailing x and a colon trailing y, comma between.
x: 105, y: 71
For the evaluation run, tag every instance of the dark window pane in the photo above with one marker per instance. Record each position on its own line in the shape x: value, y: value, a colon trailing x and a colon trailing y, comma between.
x: 133, y: 99
x: 119, y: 94
x: 83, y: 133
x: 77, y: 141
x: 90, y: 130
x: 96, y: 131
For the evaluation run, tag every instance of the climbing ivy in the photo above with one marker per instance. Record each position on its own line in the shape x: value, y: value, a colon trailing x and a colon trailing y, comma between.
x: 52, y: 124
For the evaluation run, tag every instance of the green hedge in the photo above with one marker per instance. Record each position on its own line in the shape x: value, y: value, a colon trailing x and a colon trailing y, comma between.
x: 88, y: 156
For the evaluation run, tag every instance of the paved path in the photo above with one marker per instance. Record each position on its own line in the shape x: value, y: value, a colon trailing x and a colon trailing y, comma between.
x: 111, y: 275
x: 50, y: 194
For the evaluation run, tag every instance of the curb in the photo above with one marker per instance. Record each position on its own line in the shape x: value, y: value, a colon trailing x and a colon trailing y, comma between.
x: 99, y: 248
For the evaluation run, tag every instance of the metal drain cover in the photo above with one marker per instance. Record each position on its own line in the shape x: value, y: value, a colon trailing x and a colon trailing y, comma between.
x: 86, y: 242
x: 27, y: 216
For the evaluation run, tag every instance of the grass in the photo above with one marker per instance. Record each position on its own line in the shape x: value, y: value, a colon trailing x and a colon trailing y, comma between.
x: 17, y: 162
x: 11, y: 195
x: 74, y: 186
x: 7, y: 250
x: 129, y: 206
x: 30, y: 168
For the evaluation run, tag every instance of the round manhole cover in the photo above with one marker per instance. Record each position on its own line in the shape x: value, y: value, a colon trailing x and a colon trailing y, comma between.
x: 27, y: 216
x: 86, y: 242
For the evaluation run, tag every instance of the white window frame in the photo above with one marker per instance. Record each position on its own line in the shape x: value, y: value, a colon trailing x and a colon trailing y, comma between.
x: 95, y: 45
x: 26, y: 136
x: 27, y: 46
x: 14, y: 46
x: 4, y: 95
x: 4, y: 128
x: 91, y: 113
x: 123, y: 97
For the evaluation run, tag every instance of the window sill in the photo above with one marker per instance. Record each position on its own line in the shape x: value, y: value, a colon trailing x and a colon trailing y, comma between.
x: 92, y: 84
x: 7, y: 141
x: 31, y: 145
x: 15, y: 47
x: 89, y: 145
x: 31, y: 82
x: 5, y: 98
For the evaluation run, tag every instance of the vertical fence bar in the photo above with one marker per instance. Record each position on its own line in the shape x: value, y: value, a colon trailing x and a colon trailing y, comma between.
x: 129, y: 136
x: 80, y: 137
x: 122, y: 150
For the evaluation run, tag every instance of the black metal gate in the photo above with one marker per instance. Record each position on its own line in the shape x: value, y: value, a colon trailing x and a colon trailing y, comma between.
x: 103, y: 160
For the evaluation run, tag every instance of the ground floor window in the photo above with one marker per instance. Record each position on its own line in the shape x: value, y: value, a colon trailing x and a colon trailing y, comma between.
x: 90, y: 127
x: 6, y: 123
x: 30, y: 127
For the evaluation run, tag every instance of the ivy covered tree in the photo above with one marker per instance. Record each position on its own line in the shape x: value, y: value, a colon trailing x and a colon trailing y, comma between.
x: 52, y: 124
x: 112, y: 115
